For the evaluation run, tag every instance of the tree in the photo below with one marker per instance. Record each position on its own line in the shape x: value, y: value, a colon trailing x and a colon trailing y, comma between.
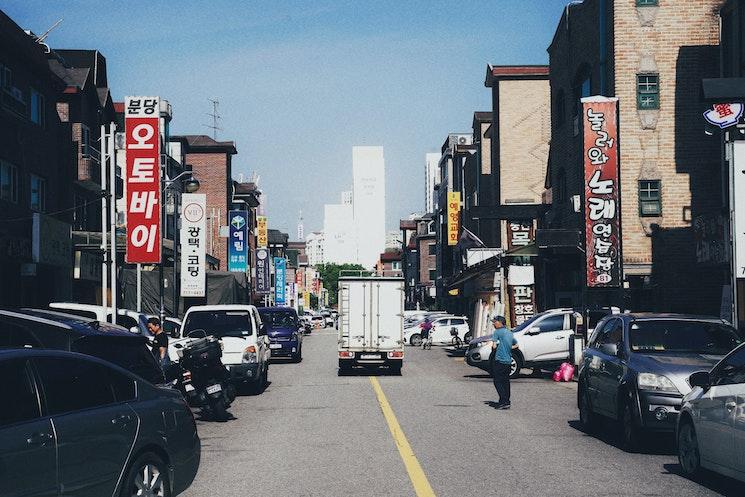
x: 330, y: 275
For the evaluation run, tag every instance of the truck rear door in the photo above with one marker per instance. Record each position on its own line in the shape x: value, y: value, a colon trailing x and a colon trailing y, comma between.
x: 386, y: 322
x: 355, y: 303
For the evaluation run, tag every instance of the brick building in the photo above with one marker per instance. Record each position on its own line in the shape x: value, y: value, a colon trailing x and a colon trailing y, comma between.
x: 651, y: 55
x: 211, y: 163
x: 36, y: 175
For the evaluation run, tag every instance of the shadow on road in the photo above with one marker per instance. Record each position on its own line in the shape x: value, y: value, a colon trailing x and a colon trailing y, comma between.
x: 709, y: 479
x: 369, y: 372
x: 657, y: 444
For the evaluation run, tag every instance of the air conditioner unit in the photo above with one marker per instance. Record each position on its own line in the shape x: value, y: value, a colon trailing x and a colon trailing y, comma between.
x: 463, y: 140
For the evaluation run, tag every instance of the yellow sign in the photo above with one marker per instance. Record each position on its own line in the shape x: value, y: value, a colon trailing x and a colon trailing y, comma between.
x: 453, y: 217
x: 263, y: 234
x: 454, y: 292
x: 306, y: 298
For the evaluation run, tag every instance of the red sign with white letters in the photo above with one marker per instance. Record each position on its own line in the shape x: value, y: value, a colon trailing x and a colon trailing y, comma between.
x: 142, y: 184
x: 602, y: 208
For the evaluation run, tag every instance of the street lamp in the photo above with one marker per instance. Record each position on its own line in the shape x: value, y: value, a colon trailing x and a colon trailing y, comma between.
x: 189, y: 185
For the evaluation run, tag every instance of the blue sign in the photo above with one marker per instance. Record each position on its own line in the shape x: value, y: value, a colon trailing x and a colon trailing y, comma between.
x: 280, y: 271
x: 238, y: 242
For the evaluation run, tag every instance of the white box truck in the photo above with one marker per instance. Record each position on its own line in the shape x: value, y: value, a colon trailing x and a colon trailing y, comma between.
x: 371, y: 310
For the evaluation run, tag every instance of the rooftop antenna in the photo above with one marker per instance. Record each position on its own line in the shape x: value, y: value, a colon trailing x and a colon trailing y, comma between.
x: 43, y: 37
x: 215, y: 115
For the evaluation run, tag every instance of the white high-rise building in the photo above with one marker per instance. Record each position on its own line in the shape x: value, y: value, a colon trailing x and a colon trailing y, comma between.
x: 339, y: 245
x: 431, y: 173
x: 300, y: 228
x: 314, y: 248
x: 346, y: 197
x: 393, y: 240
x: 368, y: 201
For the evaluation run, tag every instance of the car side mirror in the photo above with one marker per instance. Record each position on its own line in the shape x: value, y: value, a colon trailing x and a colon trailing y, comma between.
x: 610, y: 349
x: 700, y: 379
x: 135, y: 329
x: 175, y: 334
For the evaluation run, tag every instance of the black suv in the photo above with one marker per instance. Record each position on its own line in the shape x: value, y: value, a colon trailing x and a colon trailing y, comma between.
x: 636, y: 366
x: 32, y: 328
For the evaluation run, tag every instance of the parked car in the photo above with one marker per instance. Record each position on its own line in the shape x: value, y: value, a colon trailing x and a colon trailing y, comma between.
x: 317, y: 321
x: 543, y: 342
x: 635, y: 369
x: 285, y: 332
x: 134, y: 321
x: 91, y: 428
x: 43, y: 329
x: 243, y: 336
x: 710, y: 430
x: 440, y: 332
x: 593, y: 315
x: 328, y: 318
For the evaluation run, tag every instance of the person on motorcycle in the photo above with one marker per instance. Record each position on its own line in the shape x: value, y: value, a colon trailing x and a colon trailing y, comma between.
x: 426, y: 327
x: 159, y: 343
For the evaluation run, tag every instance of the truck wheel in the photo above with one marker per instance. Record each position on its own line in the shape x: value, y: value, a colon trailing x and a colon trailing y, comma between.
x: 415, y: 340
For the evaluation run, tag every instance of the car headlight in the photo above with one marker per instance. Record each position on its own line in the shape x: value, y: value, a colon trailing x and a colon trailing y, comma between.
x: 249, y: 355
x: 656, y: 383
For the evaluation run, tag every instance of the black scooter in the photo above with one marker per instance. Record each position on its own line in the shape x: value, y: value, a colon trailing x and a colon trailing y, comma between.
x: 204, y: 381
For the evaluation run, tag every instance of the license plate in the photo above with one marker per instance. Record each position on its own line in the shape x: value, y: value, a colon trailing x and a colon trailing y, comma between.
x: 189, y: 388
x: 214, y: 388
x: 369, y: 356
x: 275, y: 346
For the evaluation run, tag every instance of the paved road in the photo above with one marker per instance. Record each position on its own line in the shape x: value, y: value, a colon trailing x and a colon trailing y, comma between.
x: 313, y: 433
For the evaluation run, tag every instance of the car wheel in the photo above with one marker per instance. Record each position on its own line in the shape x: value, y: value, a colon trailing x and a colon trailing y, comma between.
x: 415, y: 340
x: 516, y: 365
x: 689, y: 456
x: 587, y: 416
x: 629, y: 430
x: 147, y: 475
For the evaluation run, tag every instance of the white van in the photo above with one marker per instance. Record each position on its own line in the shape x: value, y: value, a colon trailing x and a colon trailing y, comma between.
x: 242, y: 334
x: 134, y: 321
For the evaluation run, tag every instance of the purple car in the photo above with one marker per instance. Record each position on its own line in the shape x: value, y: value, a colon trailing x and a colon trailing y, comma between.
x: 285, y: 332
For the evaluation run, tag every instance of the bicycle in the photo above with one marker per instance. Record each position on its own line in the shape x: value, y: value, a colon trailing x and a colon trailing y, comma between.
x: 456, y: 341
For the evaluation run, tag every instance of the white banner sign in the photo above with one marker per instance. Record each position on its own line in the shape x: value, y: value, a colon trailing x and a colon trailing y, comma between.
x: 738, y: 199
x: 193, y: 238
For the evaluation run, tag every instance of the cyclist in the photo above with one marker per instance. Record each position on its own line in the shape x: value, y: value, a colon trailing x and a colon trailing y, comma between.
x: 426, y: 327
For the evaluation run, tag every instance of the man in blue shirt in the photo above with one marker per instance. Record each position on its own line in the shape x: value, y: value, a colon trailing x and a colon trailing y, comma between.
x: 503, y: 342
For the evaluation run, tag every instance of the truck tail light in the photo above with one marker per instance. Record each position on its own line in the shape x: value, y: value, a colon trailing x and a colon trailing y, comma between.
x: 396, y: 354
x: 345, y: 354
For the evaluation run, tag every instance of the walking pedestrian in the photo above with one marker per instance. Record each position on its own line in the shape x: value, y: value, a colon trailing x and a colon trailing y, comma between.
x: 159, y: 343
x: 502, y: 342
x: 426, y: 327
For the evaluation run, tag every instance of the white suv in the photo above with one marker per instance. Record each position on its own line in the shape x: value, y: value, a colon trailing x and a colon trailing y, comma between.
x: 242, y: 334
x: 543, y: 342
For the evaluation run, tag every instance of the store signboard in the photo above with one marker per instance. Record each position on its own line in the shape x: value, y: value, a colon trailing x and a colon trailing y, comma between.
x: 280, y: 272
x: 453, y: 217
x: 238, y: 241
x: 193, y: 244
x: 263, y: 283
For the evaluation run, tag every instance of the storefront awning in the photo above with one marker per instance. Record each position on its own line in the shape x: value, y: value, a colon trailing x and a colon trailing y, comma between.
x: 529, y: 250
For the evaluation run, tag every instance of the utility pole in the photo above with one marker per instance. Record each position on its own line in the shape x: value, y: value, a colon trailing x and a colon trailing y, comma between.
x: 215, y: 115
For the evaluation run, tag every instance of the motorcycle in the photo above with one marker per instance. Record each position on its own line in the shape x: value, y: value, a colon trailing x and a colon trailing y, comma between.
x: 204, y: 380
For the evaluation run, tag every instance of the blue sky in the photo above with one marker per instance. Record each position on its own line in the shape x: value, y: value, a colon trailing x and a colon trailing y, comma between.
x: 302, y: 82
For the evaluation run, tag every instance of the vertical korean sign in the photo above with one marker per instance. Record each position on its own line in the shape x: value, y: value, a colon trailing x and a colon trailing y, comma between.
x: 238, y: 242
x: 263, y: 284
x: 142, y: 143
x: 602, y: 209
x: 262, y: 237
x: 453, y: 217
x: 193, y: 237
x: 520, y: 233
x: 280, y: 269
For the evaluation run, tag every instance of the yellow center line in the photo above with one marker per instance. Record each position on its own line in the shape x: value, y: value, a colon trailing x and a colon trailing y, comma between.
x: 416, y: 473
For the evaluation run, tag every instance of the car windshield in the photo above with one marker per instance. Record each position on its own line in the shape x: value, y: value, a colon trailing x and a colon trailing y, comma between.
x: 682, y: 336
x: 279, y: 319
x: 219, y: 323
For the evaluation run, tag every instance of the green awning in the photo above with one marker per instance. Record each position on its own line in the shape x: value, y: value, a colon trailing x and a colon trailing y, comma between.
x: 529, y: 250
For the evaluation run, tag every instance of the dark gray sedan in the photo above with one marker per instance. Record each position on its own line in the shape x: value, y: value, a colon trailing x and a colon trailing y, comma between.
x: 76, y: 425
x: 636, y: 366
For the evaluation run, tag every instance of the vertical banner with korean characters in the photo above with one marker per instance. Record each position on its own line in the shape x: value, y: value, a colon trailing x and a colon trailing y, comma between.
x: 521, y: 290
x: 453, y: 217
x: 262, y: 237
x: 263, y: 279
x: 142, y: 144
x: 520, y: 233
x: 602, y: 209
x: 193, y: 244
x: 238, y: 241
x: 280, y: 270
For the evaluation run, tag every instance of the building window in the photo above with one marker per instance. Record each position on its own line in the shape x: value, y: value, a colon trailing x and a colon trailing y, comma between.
x: 647, y: 91
x: 85, y: 140
x: 432, y: 249
x: 433, y: 274
x: 8, y: 182
x: 646, y: 3
x: 650, y: 200
x: 431, y: 227
x: 396, y: 265
x: 38, y: 193
x: 38, y: 108
x: 6, y: 77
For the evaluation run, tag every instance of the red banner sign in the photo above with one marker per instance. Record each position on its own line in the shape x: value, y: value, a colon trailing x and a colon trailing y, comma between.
x: 142, y: 142
x: 602, y: 208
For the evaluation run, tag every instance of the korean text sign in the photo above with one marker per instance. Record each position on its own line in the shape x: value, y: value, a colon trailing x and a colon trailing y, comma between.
x: 193, y: 238
x: 238, y: 241
x: 142, y: 144
x: 522, y: 303
x: 262, y: 237
x: 263, y: 284
x: 453, y: 217
x: 519, y: 233
x: 602, y: 209
x: 280, y: 270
